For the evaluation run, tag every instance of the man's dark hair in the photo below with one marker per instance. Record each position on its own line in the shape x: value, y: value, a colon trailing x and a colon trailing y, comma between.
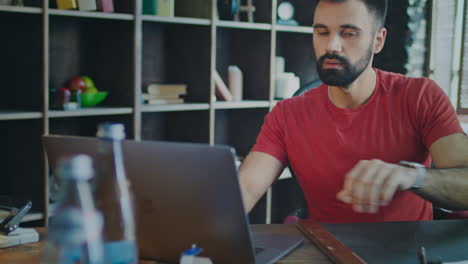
x: 376, y: 7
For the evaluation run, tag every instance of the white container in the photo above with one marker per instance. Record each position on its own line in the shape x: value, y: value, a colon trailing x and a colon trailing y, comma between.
x: 286, y: 85
x: 235, y: 81
x: 279, y: 65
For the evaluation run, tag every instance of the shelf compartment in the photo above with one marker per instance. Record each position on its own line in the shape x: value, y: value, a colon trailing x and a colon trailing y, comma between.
x: 241, y: 48
x: 18, y: 115
x: 86, y: 126
x: 22, y: 161
x: 186, y: 126
x: 241, y: 104
x: 177, y: 20
x: 238, y: 128
x: 262, y: 14
x: 304, y: 12
x: 178, y: 54
x: 21, y: 67
x: 299, y: 56
x: 294, y: 29
x: 174, y: 107
x: 98, y: 48
x: 243, y: 25
x: 94, y: 111
x: 21, y: 9
x: 120, y: 7
x: 87, y: 14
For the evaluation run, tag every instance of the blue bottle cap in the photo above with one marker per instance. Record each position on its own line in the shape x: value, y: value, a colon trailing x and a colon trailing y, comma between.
x: 193, y: 251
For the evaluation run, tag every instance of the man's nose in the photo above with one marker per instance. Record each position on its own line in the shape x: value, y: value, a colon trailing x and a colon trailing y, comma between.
x: 334, y: 44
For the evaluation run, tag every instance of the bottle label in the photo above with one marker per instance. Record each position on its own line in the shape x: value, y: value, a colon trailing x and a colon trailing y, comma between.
x: 121, y: 252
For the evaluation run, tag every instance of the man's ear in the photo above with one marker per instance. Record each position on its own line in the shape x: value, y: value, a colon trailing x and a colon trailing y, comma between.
x: 379, y: 40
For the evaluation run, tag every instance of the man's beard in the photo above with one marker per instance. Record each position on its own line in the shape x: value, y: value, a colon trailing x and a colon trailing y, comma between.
x: 345, y: 76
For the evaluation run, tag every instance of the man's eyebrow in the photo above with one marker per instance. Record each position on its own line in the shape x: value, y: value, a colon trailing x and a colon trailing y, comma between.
x: 351, y: 26
x: 346, y: 26
x: 320, y: 26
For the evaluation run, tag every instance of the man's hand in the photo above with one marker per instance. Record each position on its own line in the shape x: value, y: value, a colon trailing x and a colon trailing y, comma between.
x: 372, y: 183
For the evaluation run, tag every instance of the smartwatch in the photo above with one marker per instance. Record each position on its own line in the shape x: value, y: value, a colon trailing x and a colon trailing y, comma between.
x: 420, y: 169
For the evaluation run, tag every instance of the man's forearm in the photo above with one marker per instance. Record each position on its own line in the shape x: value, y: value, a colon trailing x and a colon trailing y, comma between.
x: 447, y: 188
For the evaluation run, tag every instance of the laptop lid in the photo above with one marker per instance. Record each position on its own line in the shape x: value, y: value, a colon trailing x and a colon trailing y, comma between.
x: 184, y: 194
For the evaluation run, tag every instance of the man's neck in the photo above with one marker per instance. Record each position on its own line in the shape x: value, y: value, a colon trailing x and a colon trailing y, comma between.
x: 357, y: 93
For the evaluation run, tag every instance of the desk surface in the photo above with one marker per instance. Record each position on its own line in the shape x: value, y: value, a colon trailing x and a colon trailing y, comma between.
x: 306, y: 253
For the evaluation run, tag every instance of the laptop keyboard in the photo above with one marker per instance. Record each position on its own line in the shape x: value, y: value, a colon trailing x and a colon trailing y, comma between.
x: 258, y: 250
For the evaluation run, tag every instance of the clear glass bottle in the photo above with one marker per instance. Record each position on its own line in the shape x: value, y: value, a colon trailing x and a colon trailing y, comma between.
x: 113, y: 197
x: 74, y: 234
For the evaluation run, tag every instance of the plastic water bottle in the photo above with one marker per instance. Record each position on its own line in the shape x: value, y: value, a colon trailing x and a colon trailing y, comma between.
x: 113, y: 197
x: 75, y: 230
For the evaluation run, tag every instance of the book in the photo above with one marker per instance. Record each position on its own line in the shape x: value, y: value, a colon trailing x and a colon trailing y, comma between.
x: 166, y: 89
x: 105, y: 5
x: 150, y: 7
x: 221, y: 90
x: 165, y: 101
x: 87, y: 5
x: 166, y: 8
x: 146, y: 96
x: 67, y: 4
x: 192, y: 8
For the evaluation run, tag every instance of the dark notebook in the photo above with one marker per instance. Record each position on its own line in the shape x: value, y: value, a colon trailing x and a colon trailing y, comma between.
x: 399, y: 242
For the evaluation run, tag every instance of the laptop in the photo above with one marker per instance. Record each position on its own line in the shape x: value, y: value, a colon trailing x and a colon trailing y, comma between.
x: 185, y: 193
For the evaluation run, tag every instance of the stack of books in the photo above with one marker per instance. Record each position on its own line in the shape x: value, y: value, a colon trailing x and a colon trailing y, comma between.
x: 165, y: 94
x: 87, y: 5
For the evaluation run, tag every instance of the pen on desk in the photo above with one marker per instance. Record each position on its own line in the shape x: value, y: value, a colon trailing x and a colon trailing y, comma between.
x: 422, y: 255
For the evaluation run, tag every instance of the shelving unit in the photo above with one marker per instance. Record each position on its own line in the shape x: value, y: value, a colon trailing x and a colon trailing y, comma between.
x: 123, y: 52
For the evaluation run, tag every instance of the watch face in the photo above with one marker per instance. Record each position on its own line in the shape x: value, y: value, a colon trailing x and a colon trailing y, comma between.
x: 285, y: 10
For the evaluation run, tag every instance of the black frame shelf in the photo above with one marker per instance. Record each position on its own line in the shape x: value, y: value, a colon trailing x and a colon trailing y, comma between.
x: 243, y: 25
x: 294, y: 29
x: 92, y: 111
x: 124, y: 52
x: 19, y: 115
x: 242, y: 104
x: 21, y: 9
x: 148, y: 108
x: 88, y: 14
x: 176, y: 20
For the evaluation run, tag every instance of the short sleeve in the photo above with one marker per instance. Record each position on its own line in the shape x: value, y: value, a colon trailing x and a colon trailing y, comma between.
x: 271, y: 139
x: 436, y: 115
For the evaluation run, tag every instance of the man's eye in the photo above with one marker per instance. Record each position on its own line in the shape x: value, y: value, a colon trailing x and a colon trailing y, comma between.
x: 349, y: 34
x: 323, y: 33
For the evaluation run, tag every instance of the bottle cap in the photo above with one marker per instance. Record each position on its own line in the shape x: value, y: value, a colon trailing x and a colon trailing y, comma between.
x: 78, y: 167
x: 114, y: 131
x: 193, y: 251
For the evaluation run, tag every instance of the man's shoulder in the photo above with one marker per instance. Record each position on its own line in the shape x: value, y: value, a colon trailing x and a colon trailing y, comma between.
x: 395, y: 82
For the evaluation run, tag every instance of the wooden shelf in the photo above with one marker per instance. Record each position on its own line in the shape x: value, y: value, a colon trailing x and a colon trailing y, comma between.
x: 241, y: 104
x: 98, y: 15
x: 20, y: 9
x: 177, y: 20
x: 294, y: 29
x: 243, y: 25
x: 174, y: 107
x: 15, y: 115
x: 98, y: 111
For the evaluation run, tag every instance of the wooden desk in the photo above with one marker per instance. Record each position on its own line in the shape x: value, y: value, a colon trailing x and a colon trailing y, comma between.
x: 306, y: 253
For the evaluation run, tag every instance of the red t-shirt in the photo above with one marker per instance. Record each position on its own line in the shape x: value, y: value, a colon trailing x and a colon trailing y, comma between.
x: 321, y: 142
